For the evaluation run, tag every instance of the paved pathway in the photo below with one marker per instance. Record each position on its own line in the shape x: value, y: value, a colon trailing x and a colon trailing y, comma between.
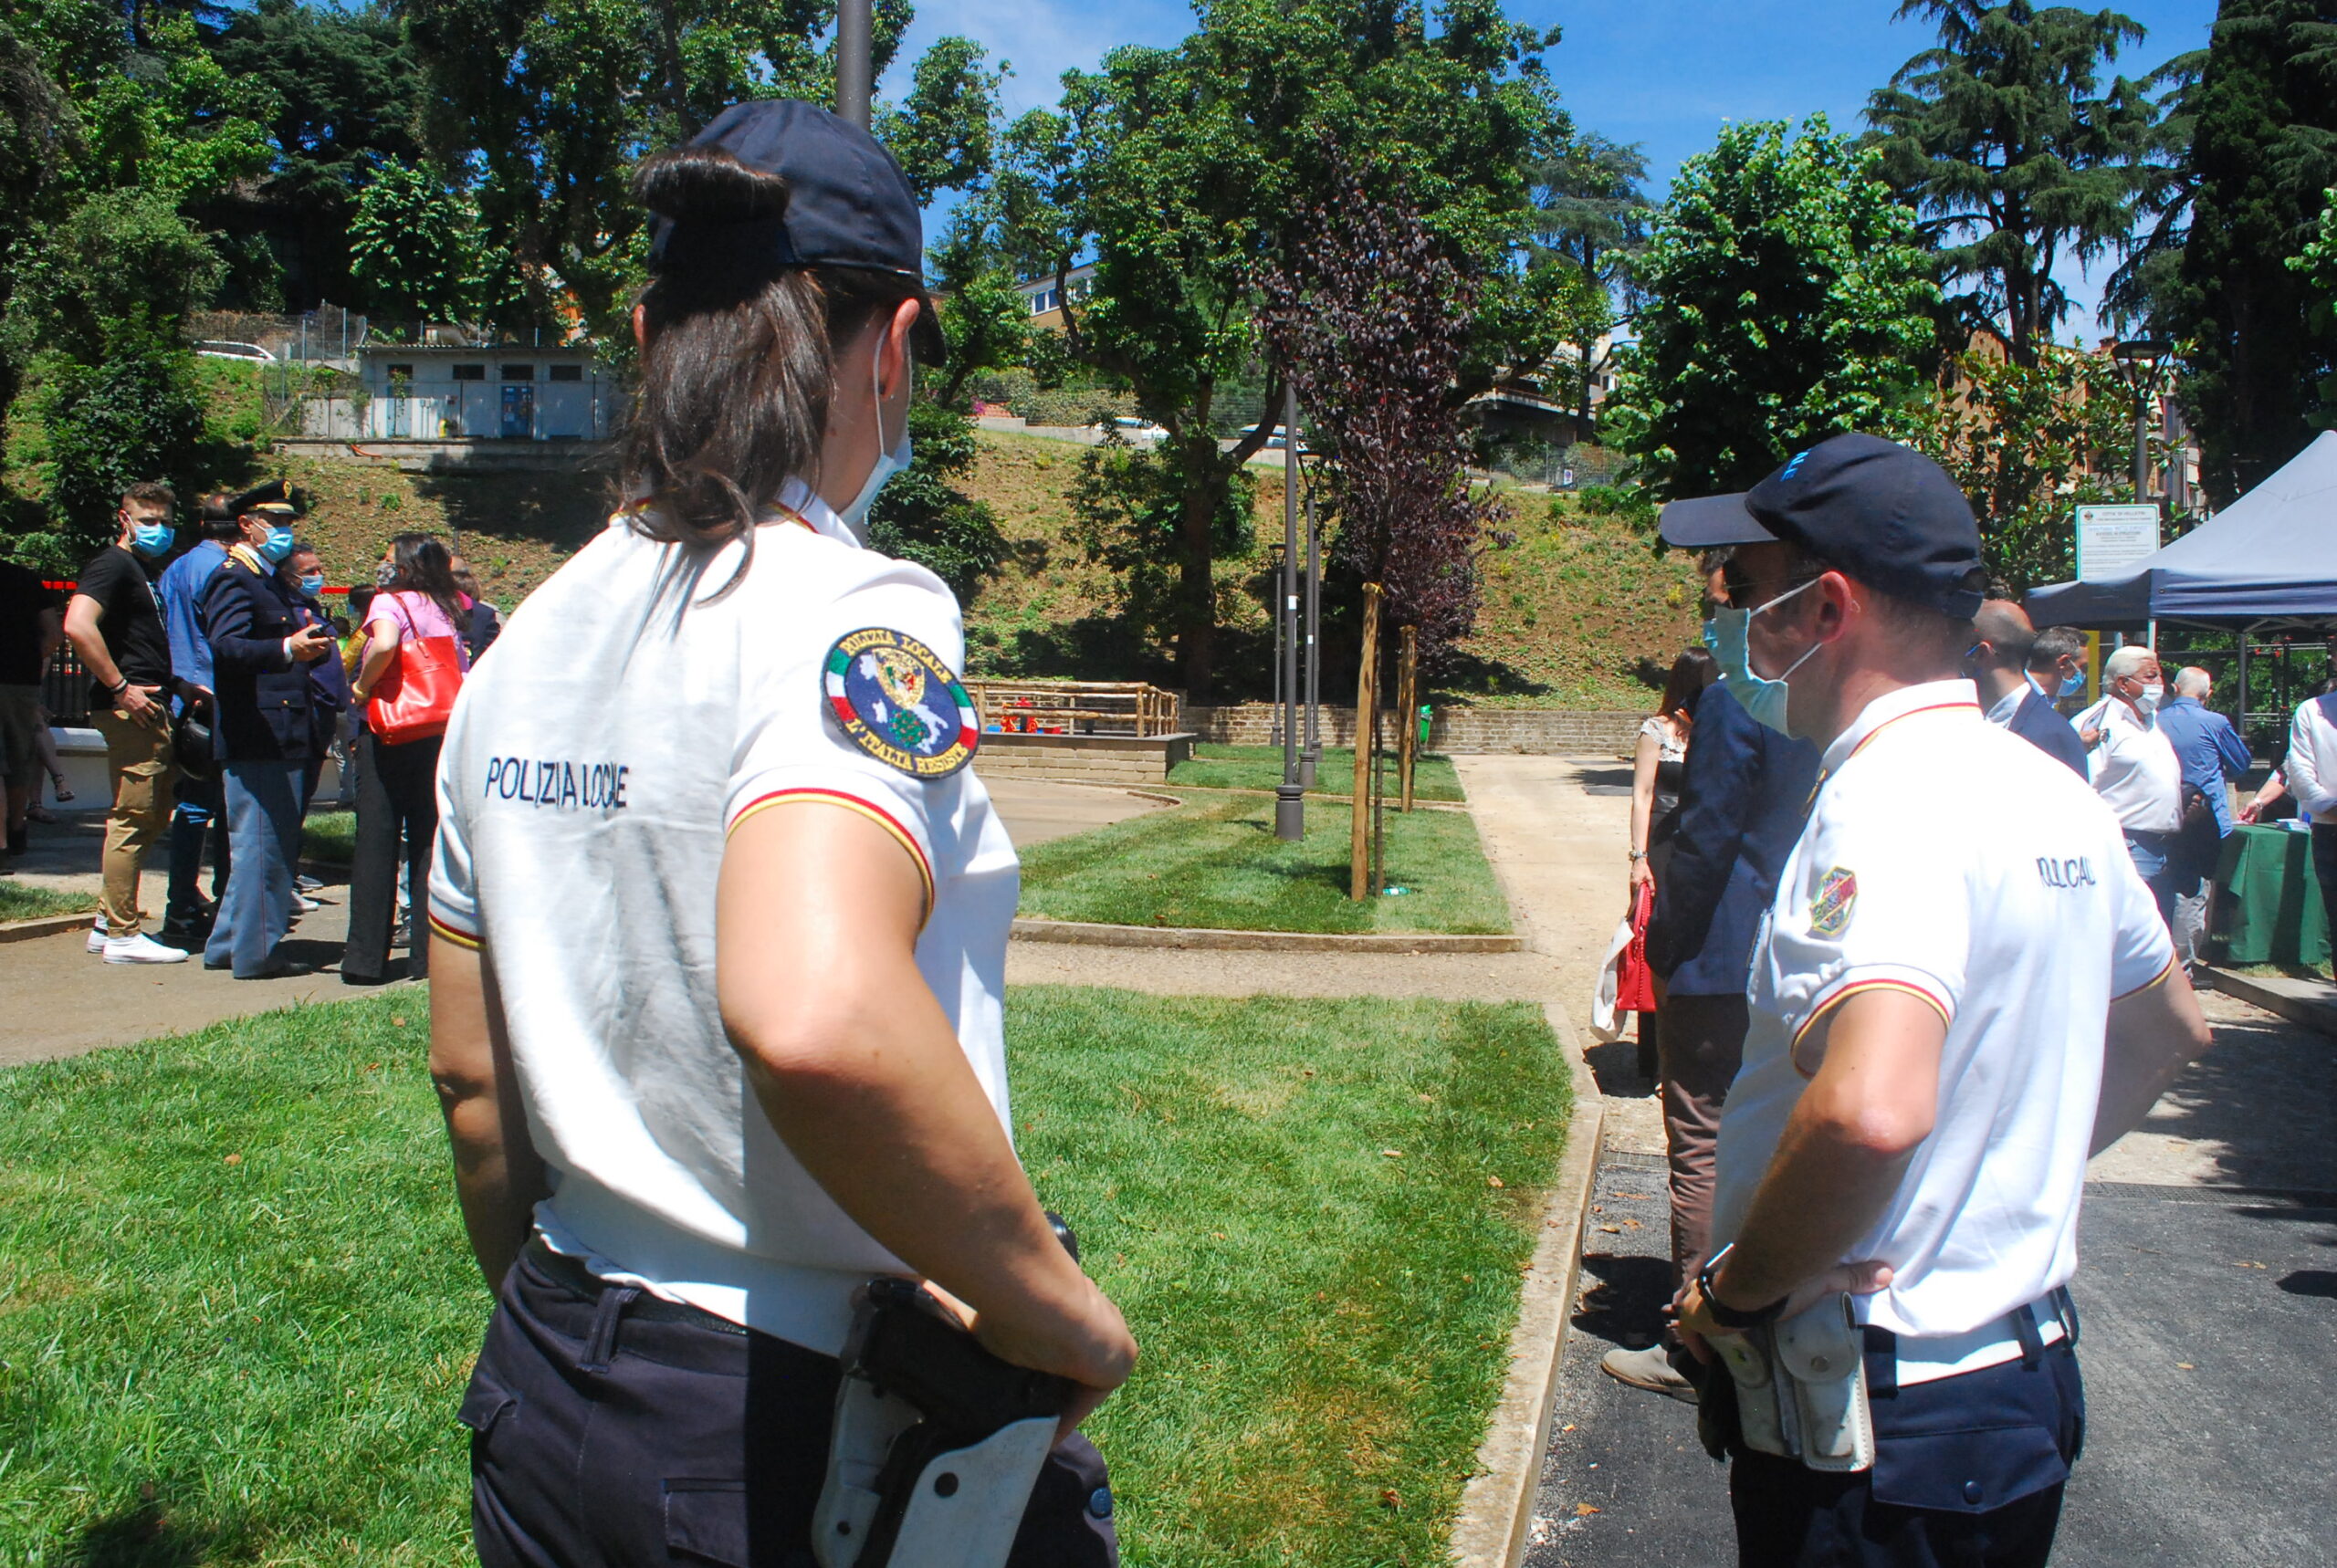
x: 2207, y: 1290
x: 57, y: 1000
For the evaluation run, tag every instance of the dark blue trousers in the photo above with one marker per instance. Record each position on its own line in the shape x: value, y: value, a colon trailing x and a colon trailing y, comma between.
x: 610, y: 1429
x: 1968, y: 1473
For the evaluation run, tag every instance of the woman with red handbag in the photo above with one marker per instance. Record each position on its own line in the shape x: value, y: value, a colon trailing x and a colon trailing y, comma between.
x: 413, y: 664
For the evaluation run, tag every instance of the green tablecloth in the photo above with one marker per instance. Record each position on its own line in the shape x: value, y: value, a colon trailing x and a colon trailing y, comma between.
x: 2268, y: 901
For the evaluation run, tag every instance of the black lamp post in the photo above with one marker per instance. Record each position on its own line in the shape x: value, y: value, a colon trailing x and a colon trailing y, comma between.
x: 2141, y: 361
x: 855, y: 81
x: 1290, y: 795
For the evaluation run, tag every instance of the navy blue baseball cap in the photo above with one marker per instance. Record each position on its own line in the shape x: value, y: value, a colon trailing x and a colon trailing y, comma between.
x: 848, y: 206
x: 1882, y: 513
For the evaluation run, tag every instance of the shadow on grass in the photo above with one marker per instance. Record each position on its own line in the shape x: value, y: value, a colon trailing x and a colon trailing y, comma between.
x: 145, y: 1536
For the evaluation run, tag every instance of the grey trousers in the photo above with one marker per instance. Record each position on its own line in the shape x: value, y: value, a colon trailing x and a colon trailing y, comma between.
x: 264, y: 828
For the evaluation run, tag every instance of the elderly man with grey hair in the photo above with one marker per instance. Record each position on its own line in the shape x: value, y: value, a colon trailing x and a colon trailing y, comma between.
x: 2209, y: 749
x: 2133, y: 767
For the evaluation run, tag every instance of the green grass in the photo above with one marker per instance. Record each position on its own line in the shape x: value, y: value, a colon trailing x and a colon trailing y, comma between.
x: 1215, y: 862
x: 1260, y: 768
x: 236, y: 1311
x: 18, y: 901
x: 331, y: 837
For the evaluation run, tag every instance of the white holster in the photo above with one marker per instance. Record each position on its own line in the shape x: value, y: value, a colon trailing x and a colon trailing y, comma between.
x: 1801, y: 1388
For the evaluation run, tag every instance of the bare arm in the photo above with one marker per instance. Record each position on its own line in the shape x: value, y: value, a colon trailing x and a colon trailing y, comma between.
x: 862, y: 1075
x: 381, y: 646
x: 497, y: 1176
x: 1871, y: 1103
x: 1644, y: 759
x: 82, y: 631
x: 2154, y: 1034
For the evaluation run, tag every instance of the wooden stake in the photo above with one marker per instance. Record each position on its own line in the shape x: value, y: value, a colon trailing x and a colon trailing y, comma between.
x: 1366, y: 696
x: 1408, y: 703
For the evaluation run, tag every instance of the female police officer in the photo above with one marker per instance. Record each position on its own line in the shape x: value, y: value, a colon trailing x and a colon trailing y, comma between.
x: 719, y: 919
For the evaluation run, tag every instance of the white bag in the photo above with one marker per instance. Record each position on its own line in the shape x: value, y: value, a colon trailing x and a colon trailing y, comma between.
x: 1607, y: 1025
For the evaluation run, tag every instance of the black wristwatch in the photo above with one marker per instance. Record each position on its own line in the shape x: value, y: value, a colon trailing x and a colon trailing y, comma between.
x: 1728, y: 1317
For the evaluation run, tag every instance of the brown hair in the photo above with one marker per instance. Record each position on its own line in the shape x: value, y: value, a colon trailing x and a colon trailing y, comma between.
x: 419, y: 563
x: 737, y: 362
x: 1692, y: 671
x: 151, y: 493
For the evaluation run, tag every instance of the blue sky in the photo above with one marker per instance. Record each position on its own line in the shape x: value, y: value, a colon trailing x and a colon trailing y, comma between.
x: 1663, y: 73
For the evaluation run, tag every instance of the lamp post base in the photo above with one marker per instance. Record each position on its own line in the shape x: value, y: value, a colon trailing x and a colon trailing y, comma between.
x: 1290, y: 811
x: 1307, y: 763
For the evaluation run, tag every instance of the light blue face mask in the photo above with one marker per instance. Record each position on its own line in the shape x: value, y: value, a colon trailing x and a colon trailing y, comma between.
x: 2074, y: 686
x: 888, y: 464
x: 313, y: 584
x: 1730, y: 640
x: 276, y: 547
x: 152, y: 538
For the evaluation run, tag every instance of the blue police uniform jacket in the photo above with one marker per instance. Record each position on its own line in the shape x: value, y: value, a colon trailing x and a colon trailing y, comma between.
x: 2208, y: 748
x: 1744, y: 795
x: 263, y: 691
x: 2040, y: 723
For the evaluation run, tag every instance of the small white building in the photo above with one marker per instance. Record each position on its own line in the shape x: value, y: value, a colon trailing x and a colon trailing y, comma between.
x: 439, y: 393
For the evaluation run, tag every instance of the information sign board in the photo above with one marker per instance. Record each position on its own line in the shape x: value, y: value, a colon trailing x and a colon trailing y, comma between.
x: 2114, y: 540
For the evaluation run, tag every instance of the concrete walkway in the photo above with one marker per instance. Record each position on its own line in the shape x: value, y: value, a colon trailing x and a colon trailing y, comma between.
x: 56, y: 1000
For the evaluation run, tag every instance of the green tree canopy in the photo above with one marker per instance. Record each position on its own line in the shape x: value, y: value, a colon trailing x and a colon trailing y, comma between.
x: 2259, y: 348
x: 2006, y: 140
x: 1789, y: 297
x: 1181, y: 172
x: 1594, y: 221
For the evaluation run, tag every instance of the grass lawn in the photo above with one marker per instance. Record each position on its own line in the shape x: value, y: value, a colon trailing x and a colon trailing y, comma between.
x: 18, y: 901
x: 331, y: 837
x: 1215, y: 862
x: 1260, y: 768
x: 236, y: 1314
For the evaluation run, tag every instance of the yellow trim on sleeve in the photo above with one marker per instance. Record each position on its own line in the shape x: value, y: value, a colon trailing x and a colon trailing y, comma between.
x: 1854, y: 988
x: 876, y: 814
x: 2158, y: 980
x: 455, y: 935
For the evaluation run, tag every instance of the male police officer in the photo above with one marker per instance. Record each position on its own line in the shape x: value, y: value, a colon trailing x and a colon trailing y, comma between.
x: 1957, y: 933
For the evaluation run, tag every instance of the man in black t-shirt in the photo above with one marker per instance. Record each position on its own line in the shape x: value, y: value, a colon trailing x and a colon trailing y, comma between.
x: 30, y: 628
x: 115, y: 622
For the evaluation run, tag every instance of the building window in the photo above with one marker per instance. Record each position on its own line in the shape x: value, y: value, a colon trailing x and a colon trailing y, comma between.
x: 518, y: 372
x: 567, y: 373
x: 401, y: 373
x: 1045, y: 301
x: 470, y: 372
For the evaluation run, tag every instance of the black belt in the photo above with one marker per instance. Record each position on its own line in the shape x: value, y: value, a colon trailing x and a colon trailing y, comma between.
x: 2150, y: 840
x: 570, y: 1275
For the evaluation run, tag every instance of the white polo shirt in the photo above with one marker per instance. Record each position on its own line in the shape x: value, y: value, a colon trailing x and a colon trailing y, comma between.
x: 635, y: 712
x: 2133, y: 767
x: 1952, y: 860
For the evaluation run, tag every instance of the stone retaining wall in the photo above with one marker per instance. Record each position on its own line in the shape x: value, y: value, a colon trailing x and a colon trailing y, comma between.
x: 1546, y: 732
x: 1082, y: 759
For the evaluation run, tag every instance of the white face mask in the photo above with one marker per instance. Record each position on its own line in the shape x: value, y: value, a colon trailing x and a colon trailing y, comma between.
x: 2147, y: 701
x: 854, y: 516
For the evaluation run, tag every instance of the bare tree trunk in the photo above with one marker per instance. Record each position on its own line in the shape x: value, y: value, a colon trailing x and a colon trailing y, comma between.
x: 1407, y: 698
x: 1197, y: 581
x: 1367, y: 731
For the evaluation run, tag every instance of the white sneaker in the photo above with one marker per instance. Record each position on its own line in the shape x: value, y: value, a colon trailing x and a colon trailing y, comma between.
x: 97, y: 942
x: 305, y: 904
x: 306, y: 883
x: 140, y: 949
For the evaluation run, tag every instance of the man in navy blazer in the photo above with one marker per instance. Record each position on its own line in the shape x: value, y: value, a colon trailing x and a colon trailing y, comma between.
x: 260, y: 647
x: 1743, y: 793
x: 1998, y: 664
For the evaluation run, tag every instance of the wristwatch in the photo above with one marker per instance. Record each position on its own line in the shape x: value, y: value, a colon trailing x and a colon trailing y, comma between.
x: 1639, y: 854
x: 1728, y: 1317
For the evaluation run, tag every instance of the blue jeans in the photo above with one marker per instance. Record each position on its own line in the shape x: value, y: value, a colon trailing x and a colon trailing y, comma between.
x: 200, y: 813
x: 264, y: 825
x: 2159, y: 868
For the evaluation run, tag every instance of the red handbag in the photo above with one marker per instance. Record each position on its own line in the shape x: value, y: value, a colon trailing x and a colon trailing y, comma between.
x: 415, y: 698
x: 1634, y: 981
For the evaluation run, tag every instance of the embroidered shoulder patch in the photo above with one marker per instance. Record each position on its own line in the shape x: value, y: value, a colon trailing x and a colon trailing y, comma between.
x: 1830, y: 910
x: 896, y: 701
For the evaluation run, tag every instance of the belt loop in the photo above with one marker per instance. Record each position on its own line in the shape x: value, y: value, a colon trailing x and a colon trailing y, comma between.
x: 2024, y: 1328
x: 1881, y: 1362
x: 603, y: 1345
x: 2065, y: 1307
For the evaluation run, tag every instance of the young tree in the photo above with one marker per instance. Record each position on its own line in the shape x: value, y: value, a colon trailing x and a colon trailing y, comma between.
x: 2259, y: 348
x: 1370, y: 315
x: 2003, y: 138
x: 1594, y: 219
x: 413, y: 248
x: 1183, y: 170
x: 2029, y: 444
x: 1788, y: 298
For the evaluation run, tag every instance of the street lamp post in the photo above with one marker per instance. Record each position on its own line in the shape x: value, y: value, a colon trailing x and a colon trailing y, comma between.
x: 855, y: 83
x: 1290, y: 795
x: 1311, y: 759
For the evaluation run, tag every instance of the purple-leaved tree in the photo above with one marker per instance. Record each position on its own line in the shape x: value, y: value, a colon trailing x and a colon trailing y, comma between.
x: 1369, y: 316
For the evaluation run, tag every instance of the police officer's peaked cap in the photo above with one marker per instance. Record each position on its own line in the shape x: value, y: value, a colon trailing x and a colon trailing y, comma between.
x: 1883, y: 513
x: 277, y: 498
x: 848, y: 203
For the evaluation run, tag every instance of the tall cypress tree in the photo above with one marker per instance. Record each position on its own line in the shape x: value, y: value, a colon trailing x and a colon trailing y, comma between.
x: 2264, y: 150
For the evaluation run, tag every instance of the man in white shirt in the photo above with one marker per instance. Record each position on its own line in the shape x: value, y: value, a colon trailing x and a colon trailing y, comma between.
x: 2311, y: 773
x: 1961, y: 992
x: 2134, y: 768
